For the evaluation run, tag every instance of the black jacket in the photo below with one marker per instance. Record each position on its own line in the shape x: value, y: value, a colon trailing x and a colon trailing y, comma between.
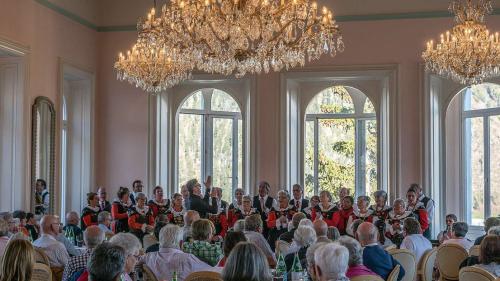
x: 304, y: 204
x: 201, y: 205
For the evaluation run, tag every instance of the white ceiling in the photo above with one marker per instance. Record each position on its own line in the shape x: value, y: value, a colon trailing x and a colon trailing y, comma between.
x: 126, y: 12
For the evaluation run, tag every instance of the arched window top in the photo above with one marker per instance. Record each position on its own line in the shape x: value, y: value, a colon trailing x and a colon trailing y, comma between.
x: 222, y: 101
x: 333, y: 100
x: 194, y: 101
x: 482, y: 96
x: 368, y: 107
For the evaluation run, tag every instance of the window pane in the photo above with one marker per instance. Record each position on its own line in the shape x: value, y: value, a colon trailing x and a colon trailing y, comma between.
x: 223, y: 155
x: 368, y: 108
x: 482, y: 96
x: 371, y: 156
x: 309, y: 159
x: 495, y: 165
x: 240, y: 154
x: 190, y: 132
x: 331, y: 100
x: 222, y: 101
x: 336, y: 154
x: 195, y: 101
x: 475, y: 168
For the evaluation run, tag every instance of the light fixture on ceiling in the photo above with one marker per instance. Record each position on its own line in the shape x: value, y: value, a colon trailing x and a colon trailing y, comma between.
x: 242, y: 36
x: 469, y: 53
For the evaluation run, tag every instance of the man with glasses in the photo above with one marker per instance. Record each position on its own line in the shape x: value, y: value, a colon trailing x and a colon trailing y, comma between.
x: 55, y: 250
x: 136, y: 188
x: 298, y: 203
x: 104, y: 204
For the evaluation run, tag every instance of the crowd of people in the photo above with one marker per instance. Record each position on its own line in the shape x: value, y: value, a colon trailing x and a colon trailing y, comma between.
x: 251, y: 238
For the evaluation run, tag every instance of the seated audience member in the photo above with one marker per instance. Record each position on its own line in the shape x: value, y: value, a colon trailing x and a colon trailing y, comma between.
x: 446, y: 234
x: 70, y: 247
x: 156, y: 232
x: 380, y: 208
x: 321, y: 229
x: 177, y: 211
x: 313, y: 202
x: 104, y: 204
x: 169, y: 257
x: 113, y: 256
x: 304, y: 237
x: 55, y: 250
x: 488, y: 223
x: 489, y: 257
x: 119, y: 210
x: 21, y: 217
x: 140, y: 217
x: 414, y: 240
x: 311, y: 263
x: 90, y: 212
x: 246, y: 262
x: 288, y: 236
x: 4, y: 238
x: 458, y: 232
x: 331, y: 262
x: 326, y: 210
x: 232, y: 238
x: 253, y: 233
x: 245, y: 211
x: 71, y: 229
x: 374, y: 256
x: 93, y: 236
x: 104, y: 223
x: 333, y: 233
x: 356, y: 267
x: 346, y: 211
x: 354, y: 227
x: 495, y: 230
x: 201, y: 247
x: 237, y: 204
x: 189, y: 218
x: 219, y: 218
x: 17, y: 261
x: 278, y: 217
x: 239, y: 226
x: 32, y: 226
x: 158, y: 204
x: 418, y: 209
x: 363, y: 213
x: 132, y: 246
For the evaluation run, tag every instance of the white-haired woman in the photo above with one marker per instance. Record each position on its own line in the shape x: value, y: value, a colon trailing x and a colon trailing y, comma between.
x: 356, y: 267
x: 303, y: 237
x: 331, y: 262
x: 132, y: 246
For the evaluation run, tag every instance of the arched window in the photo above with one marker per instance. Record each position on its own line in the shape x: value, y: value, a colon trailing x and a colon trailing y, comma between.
x: 481, y: 148
x: 210, y: 140
x: 340, y: 148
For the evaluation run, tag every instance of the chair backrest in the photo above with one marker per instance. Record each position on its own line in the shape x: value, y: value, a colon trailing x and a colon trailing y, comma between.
x: 393, y: 276
x: 426, y: 265
x: 476, y: 274
x: 407, y: 260
x: 57, y: 273
x: 149, y: 240
x: 282, y: 247
x: 204, y: 276
x: 390, y: 247
x: 41, y: 257
x: 448, y: 259
x: 366, y: 278
x: 41, y: 272
x: 148, y: 273
x: 475, y: 250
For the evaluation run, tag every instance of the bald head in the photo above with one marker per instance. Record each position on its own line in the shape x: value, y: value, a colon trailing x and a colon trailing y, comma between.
x: 367, y: 233
x: 93, y: 236
x: 49, y: 225
x: 72, y: 218
x: 320, y: 227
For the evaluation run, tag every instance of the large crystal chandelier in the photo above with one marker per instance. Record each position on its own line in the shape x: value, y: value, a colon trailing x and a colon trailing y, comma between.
x: 469, y: 53
x: 240, y: 36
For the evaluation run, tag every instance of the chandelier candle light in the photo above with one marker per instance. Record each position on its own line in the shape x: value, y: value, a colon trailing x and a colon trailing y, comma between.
x: 469, y: 53
x: 236, y: 36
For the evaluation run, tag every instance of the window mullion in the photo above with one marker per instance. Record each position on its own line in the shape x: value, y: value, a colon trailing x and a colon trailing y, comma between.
x: 487, y: 181
x: 234, y: 177
x: 316, y: 156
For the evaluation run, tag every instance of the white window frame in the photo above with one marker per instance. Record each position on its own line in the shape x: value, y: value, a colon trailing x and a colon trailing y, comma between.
x: 360, y: 119
x: 208, y: 116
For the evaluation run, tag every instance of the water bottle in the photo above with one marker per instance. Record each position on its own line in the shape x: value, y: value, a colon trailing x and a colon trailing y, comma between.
x: 297, y: 271
x: 174, y: 276
x: 281, y: 272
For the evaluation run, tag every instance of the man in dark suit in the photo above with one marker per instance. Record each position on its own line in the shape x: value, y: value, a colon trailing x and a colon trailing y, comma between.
x: 374, y: 256
x: 298, y: 203
x: 104, y: 204
x: 199, y: 204
x: 136, y: 188
x: 264, y: 203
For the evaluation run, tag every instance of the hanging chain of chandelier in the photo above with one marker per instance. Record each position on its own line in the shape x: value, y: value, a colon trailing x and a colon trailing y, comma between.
x: 229, y: 37
x: 468, y: 54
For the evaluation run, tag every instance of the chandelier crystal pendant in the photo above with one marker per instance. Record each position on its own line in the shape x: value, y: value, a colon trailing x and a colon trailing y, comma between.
x: 468, y: 54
